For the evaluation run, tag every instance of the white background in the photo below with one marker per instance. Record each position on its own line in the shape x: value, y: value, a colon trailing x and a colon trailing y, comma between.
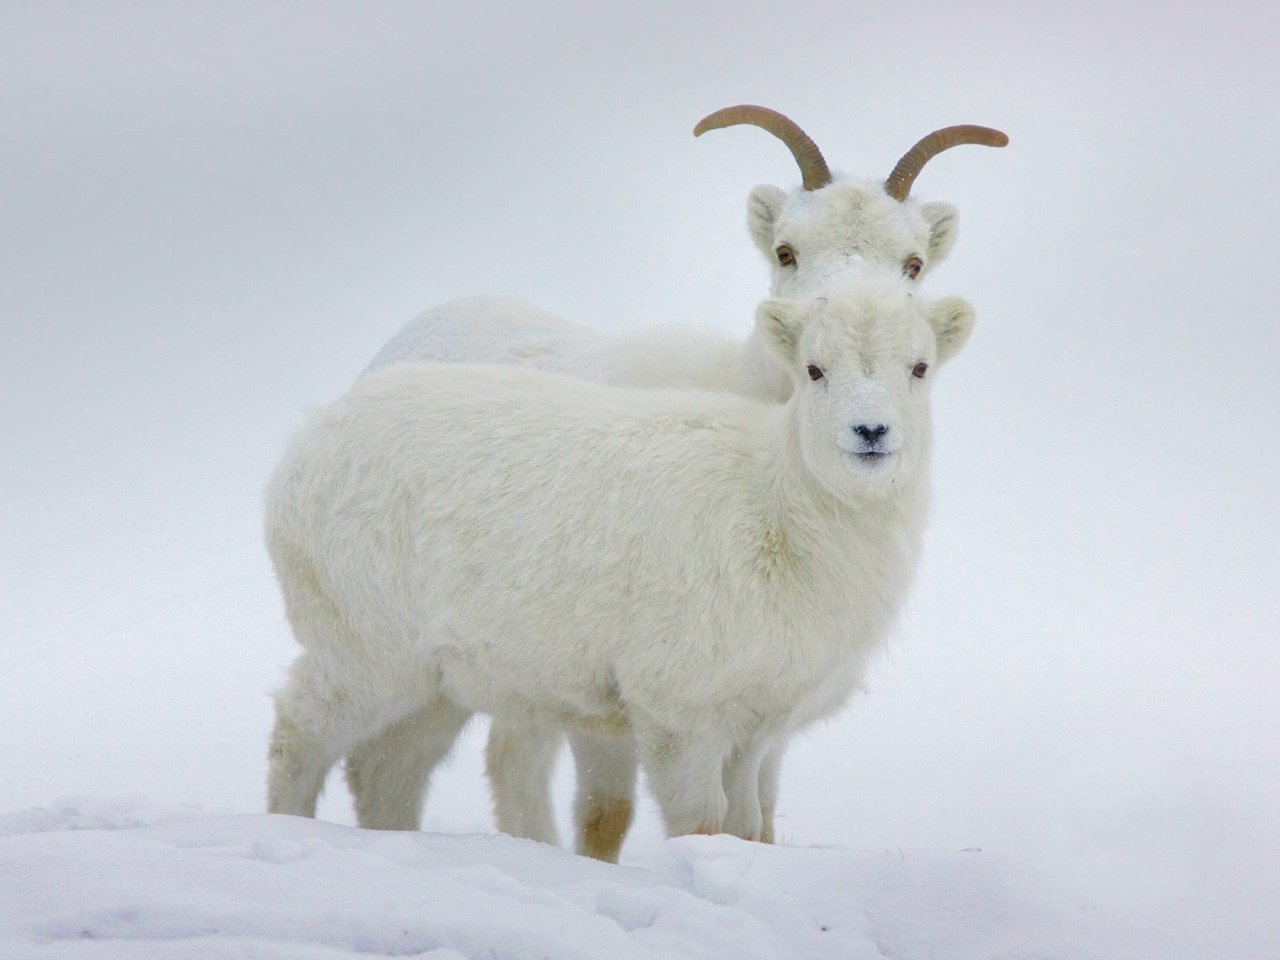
x: 212, y: 215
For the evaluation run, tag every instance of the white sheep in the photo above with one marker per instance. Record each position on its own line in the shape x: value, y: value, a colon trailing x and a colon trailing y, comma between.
x: 829, y: 226
x: 693, y: 575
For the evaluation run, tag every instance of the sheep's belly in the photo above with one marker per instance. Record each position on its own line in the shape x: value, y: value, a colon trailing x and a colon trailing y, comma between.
x: 596, y: 686
x: 574, y: 699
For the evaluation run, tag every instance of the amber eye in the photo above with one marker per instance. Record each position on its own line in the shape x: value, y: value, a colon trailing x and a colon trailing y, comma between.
x: 814, y: 373
x: 786, y: 256
x: 919, y: 370
x: 912, y: 267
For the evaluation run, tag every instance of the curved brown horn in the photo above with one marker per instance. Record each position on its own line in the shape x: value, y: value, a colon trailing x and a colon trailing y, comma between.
x: 813, y: 169
x: 898, y: 184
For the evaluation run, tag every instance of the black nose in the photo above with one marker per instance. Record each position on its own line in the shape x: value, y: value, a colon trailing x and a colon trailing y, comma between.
x: 871, y: 432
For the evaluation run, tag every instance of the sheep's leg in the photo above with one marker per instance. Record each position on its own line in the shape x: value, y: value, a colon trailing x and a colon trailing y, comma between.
x: 322, y: 711
x: 389, y: 773
x: 685, y: 775
x: 742, y: 789
x: 751, y: 784
x: 606, y: 767
x: 519, y: 759
x: 769, y: 770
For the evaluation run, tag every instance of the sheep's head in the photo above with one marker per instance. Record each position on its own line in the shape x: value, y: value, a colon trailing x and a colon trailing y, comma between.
x: 861, y: 360
x: 833, y: 224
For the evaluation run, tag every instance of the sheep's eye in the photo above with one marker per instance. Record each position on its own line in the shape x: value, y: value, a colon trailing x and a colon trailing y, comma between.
x: 814, y: 373
x: 919, y: 370
x: 912, y: 267
x: 786, y: 256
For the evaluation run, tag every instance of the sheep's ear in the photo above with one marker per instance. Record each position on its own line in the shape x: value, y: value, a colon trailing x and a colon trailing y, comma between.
x: 778, y: 321
x: 764, y: 204
x: 944, y: 228
x: 952, y: 322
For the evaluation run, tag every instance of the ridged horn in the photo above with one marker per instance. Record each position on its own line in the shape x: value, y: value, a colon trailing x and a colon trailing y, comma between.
x: 898, y: 184
x: 813, y: 169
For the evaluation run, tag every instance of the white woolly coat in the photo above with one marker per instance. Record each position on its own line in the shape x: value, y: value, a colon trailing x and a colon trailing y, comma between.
x: 648, y: 561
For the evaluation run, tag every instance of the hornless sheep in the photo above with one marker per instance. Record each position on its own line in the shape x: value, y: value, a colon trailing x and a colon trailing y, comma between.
x: 831, y: 225
x: 695, y: 574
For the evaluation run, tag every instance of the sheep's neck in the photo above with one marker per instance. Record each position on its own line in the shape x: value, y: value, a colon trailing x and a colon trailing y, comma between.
x: 807, y: 526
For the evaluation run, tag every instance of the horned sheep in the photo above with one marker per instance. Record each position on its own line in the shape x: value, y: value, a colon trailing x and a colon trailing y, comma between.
x: 692, y: 575
x: 833, y: 224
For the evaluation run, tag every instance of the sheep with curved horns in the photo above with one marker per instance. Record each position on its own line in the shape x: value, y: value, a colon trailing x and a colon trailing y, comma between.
x: 698, y: 573
x: 831, y: 225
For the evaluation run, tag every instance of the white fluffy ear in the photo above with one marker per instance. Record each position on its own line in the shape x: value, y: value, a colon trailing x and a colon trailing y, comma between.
x: 763, y: 206
x: 944, y: 228
x: 778, y: 321
x: 952, y: 321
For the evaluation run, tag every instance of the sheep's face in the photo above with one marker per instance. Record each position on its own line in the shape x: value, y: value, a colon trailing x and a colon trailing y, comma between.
x: 851, y: 224
x: 861, y: 359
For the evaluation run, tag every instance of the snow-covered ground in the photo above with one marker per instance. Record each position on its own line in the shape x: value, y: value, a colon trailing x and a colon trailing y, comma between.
x: 214, y: 214
x: 93, y: 882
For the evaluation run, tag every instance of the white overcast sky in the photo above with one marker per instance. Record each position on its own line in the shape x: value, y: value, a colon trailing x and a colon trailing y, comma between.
x: 213, y: 214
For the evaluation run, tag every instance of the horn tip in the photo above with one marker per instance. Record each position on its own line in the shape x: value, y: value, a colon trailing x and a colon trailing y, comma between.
x: 732, y: 116
x: 991, y: 137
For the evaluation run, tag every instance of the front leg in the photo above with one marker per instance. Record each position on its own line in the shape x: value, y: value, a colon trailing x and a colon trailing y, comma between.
x: 520, y: 758
x: 742, y: 769
x: 606, y: 766
x: 685, y: 774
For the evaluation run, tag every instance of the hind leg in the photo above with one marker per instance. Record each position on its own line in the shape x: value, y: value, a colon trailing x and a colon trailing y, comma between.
x: 324, y: 709
x: 606, y: 767
x: 388, y: 773
x: 742, y: 789
x: 519, y: 759
x: 770, y: 768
